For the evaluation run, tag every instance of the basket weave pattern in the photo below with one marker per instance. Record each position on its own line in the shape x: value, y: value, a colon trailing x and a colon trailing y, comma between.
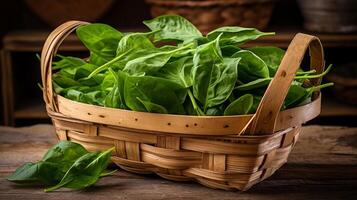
x: 218, y: 162
x: 226, y: 152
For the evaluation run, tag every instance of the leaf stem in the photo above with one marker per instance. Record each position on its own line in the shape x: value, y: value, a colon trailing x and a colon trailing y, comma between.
x: 194, y: 104
x: 104, y: 66
x: 108, y: 173
x: 316, y: 75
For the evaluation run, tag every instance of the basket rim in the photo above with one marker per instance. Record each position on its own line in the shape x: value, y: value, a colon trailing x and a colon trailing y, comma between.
x: 177, y: 115
x: 83, y: 113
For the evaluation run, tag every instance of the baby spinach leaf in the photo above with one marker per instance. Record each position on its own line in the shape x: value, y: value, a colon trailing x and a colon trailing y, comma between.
x: 96, y: 60
x: 101, y: 39
x: 94, y: 97
x: 64, y: 81
x: 215, y: 111
x: 52, y: 167
x: 74, y: 95
x: 250, y: 67
x: 256, y: 101
x: 92, y: 81
x: 131, y: 46
x: 153, y: 107
x: 67, y: 62
x: 229, y: 50
x: 178, y: 71
x: 85, y: 171
x: 154, y: 89
x: 258, y: 83
x: 79, y: 71
x: 240, y: 106
x: 115, y: 98
x: 64, y: 151
x: 213, y: 77
x: 272, y: 57
x: 27, y: 173
x: 172, y: 27
x: 234, y: 35
x: 151, y: 62
x: 297, y: 94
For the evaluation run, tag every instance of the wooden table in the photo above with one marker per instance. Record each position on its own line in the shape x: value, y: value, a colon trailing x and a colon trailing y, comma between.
x: 323, y: 165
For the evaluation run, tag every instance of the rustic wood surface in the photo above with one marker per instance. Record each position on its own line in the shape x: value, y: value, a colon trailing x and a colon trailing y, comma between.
x: 323, y: 165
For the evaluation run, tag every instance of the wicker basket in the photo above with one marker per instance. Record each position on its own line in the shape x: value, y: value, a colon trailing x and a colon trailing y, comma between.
x: 226, y: 152
x: 210, y: 14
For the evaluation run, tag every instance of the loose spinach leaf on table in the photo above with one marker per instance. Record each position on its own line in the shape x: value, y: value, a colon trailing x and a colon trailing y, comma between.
x: 85, y: 171
x: 67, y: 164
x: 52, y: 167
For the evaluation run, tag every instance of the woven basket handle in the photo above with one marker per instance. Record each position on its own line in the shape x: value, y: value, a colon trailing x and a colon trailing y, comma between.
x: 49, y: 50
x: 269, y: 107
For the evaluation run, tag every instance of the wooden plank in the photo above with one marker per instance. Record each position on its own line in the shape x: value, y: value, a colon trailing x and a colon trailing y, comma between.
x: 323, y: 165
x: 7, y: 88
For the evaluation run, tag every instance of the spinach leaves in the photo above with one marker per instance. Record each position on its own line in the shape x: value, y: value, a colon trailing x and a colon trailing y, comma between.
x: 67, y: 164
x: 194, y: 75
x: 172, y: 27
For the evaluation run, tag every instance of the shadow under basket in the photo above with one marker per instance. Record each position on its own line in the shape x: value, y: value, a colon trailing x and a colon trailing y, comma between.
x: 225, y: 152
x: 211, y: 14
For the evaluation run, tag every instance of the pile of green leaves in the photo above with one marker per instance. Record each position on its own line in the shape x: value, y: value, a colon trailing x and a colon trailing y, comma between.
x: 198, y: 75
x: 66, y: 164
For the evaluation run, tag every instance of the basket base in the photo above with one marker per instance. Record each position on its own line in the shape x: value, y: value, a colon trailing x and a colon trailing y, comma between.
x: 230, y: 162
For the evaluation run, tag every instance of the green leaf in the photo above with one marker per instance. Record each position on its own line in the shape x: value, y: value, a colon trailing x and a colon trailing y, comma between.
x: 178, y: 71
x: 101, y: 39
x: 74, y: 95
x: 272, y: 57
x: 213, y: 77
x: 115, y: 98
x: 234, y: 35
x: 67, y: 62
x: 64, y: 81
x: 27, y: 173
x: 229, y: 50
x: 154, y: 89
x: 151, y: 62
x: 256, y: 101
x: 215, y: 111
x: 250, y: 67
x: 258, y: 83
x: 131, y: 46
x: 85, y: 171
x: 240, y: 106
x: 52, y: 167
x: 172, y: 27
x: 94, y: 97
x: 153, y: 107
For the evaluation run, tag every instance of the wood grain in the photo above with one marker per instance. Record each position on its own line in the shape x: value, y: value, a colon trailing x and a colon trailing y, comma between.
x: 323, y: 165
